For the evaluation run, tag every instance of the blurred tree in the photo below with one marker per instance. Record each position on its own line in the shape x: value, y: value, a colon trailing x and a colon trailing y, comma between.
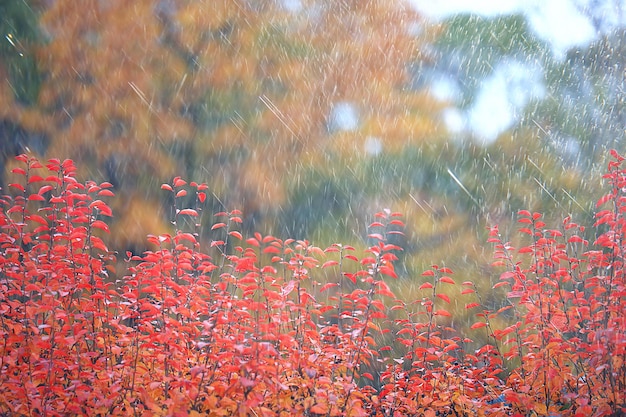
x: 243, y: 95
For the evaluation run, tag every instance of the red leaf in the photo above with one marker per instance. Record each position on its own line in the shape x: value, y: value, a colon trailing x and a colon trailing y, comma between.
x: 100, y: 205
x: 236, y: 234
x: 428, y: 273
x: 167, y: 187
x: 97, y: 243
x: 425, y: 286
x: 443, y: 313
x: 181, y: 193
x: 106, y: 193
x: 188, y: 212
x: 576, y: 239
x: 35, y: 197
x: 218, y: 226
x: 202, y: 197
x: 186, y: 236
x: 18, y: 186
x: 447, y: 280
x: 327, y: 286
x: 616, y: 155
x: 35, y: 178
x: 386, y: 270
x: 268, y: 269
x: 99, y: 224
x: 45, y: 189
x: 444, y: 297
x: 478, y: 325
x: 450, y: 347
x: 179, y: 182
x: 471, y: 305
x: 271, y: 249
x: 38, y: 219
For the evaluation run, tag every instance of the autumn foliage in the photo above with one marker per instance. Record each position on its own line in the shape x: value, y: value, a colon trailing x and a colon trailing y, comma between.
x: 256, y: 325
x: 236, y: 94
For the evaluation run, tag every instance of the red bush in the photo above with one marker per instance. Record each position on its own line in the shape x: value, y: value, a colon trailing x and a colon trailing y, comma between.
x: 244, y: 326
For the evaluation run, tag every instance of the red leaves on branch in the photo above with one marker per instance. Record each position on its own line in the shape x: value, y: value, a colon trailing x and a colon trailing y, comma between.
x: 225, y: 324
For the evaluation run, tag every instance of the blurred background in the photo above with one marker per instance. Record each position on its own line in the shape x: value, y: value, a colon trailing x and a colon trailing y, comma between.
x: 311, y: 115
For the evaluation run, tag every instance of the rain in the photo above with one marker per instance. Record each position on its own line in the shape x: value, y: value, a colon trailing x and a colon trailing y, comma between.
x: 311, y: 116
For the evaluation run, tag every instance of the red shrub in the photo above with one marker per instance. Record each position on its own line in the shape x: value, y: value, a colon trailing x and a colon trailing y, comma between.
x: 241, y: 326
